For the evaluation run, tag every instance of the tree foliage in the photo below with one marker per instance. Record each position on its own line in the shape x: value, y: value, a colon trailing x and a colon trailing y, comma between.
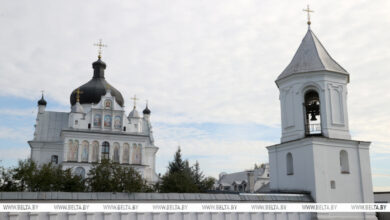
x: 28, y: 176
x: 112, y: 177
x: 182, y: 178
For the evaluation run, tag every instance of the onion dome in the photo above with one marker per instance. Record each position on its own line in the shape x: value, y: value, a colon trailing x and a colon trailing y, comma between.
x: 134, y: 113
x: 42, y: 101
x: 94, y: 89
x: 146, y: 110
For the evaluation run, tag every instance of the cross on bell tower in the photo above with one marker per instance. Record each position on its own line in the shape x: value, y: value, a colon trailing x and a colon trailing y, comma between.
x: 308, y: 14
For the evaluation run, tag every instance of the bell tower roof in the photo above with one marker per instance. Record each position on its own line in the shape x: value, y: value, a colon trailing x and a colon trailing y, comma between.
x: 311, y: 56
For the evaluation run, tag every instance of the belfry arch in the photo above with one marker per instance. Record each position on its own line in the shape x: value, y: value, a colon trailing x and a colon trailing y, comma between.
x: 312, y: 113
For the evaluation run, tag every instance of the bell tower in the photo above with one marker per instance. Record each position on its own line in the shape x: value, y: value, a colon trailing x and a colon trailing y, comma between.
x: 313, y: 94
x: 316, y: 154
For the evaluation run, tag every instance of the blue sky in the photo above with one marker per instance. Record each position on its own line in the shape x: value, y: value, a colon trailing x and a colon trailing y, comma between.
x: 206, y: 67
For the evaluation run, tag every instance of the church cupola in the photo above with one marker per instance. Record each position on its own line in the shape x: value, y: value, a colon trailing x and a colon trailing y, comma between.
x: 42, y: 101
x: 134, y: 113
x: 146, y: 111
x: 313, y: 93
x: 92, y: 91
x: 42, y: 104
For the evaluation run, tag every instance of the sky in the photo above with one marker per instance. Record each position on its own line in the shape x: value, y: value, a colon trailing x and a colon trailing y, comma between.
x: 207, y: 68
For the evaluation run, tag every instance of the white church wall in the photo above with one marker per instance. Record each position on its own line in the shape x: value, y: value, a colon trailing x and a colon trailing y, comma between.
x: 42, y: 152
x: 303, y: 168
x: 316, y: 169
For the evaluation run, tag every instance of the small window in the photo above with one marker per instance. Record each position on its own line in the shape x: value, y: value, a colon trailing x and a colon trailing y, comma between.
x: 290, y: 164
x: 76, y: 122
x: 54, y: 159
x: 344, y: 163
x: 89, y: 125
x: 105, y: 150
x: 333, y: 184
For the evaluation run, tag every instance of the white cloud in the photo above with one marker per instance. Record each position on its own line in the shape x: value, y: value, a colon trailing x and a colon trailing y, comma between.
x: 14, y: 153
x: 18, y: 112
x: 19, y: 134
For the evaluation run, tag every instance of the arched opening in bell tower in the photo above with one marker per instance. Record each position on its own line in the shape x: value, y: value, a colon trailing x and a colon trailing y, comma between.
x: 312, y: 113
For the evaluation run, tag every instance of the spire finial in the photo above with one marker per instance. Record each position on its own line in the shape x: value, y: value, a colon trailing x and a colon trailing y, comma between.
x: 308, y: 14
x: 42, y: 91
x: 135, y: 100
x: 100, y: 45
x: 78, y: 92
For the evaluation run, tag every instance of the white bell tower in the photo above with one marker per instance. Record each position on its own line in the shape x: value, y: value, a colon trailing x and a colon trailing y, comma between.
x: 313, y: 94
x: 316, y: 154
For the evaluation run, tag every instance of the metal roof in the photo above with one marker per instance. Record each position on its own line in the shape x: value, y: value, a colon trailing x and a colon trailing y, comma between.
x: 50, y: 124
x: 311, y: 56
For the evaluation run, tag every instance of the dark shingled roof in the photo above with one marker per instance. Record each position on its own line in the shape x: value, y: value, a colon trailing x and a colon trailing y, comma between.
x: 92, y: 91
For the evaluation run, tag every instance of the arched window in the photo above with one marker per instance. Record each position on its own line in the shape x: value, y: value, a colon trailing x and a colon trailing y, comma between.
x: 344, y: 163
x: 73, y: 150
x: 116, y: 153
x: 312, y: 113
x: 126, y: 153
x: 95, y: 151
x: 79, y: 171
x: 85, y: 151
x: 70, y: 147
x: 139, y: 154
x: 106, y: 150
x: 54, y: 159
x: 290, y: 164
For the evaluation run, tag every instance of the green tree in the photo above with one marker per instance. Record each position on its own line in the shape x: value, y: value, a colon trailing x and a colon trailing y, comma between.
x: 182, y: 178
x: 7, y: 183
x: 112, y: 177
x: 203, y: 183
x: 48, y: 177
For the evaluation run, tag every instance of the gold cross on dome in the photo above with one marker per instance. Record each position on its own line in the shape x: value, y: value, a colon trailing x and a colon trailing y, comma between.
x: 135, y: 100
x: 308, y: 14
x: 78, y: 92
x: 100, y: 45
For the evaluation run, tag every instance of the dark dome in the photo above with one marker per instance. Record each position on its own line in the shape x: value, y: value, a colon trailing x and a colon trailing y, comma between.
x: 146, y: 111
x: 94, y: 89
x: 42, y: 101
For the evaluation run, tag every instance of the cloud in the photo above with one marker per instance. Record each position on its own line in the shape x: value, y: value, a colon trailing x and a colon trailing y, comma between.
x: 18, y: 112
x: 18, y: 134
x: 14, y: 153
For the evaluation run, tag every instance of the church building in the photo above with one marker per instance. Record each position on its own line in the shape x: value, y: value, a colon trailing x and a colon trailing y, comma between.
x: 96, y: 128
